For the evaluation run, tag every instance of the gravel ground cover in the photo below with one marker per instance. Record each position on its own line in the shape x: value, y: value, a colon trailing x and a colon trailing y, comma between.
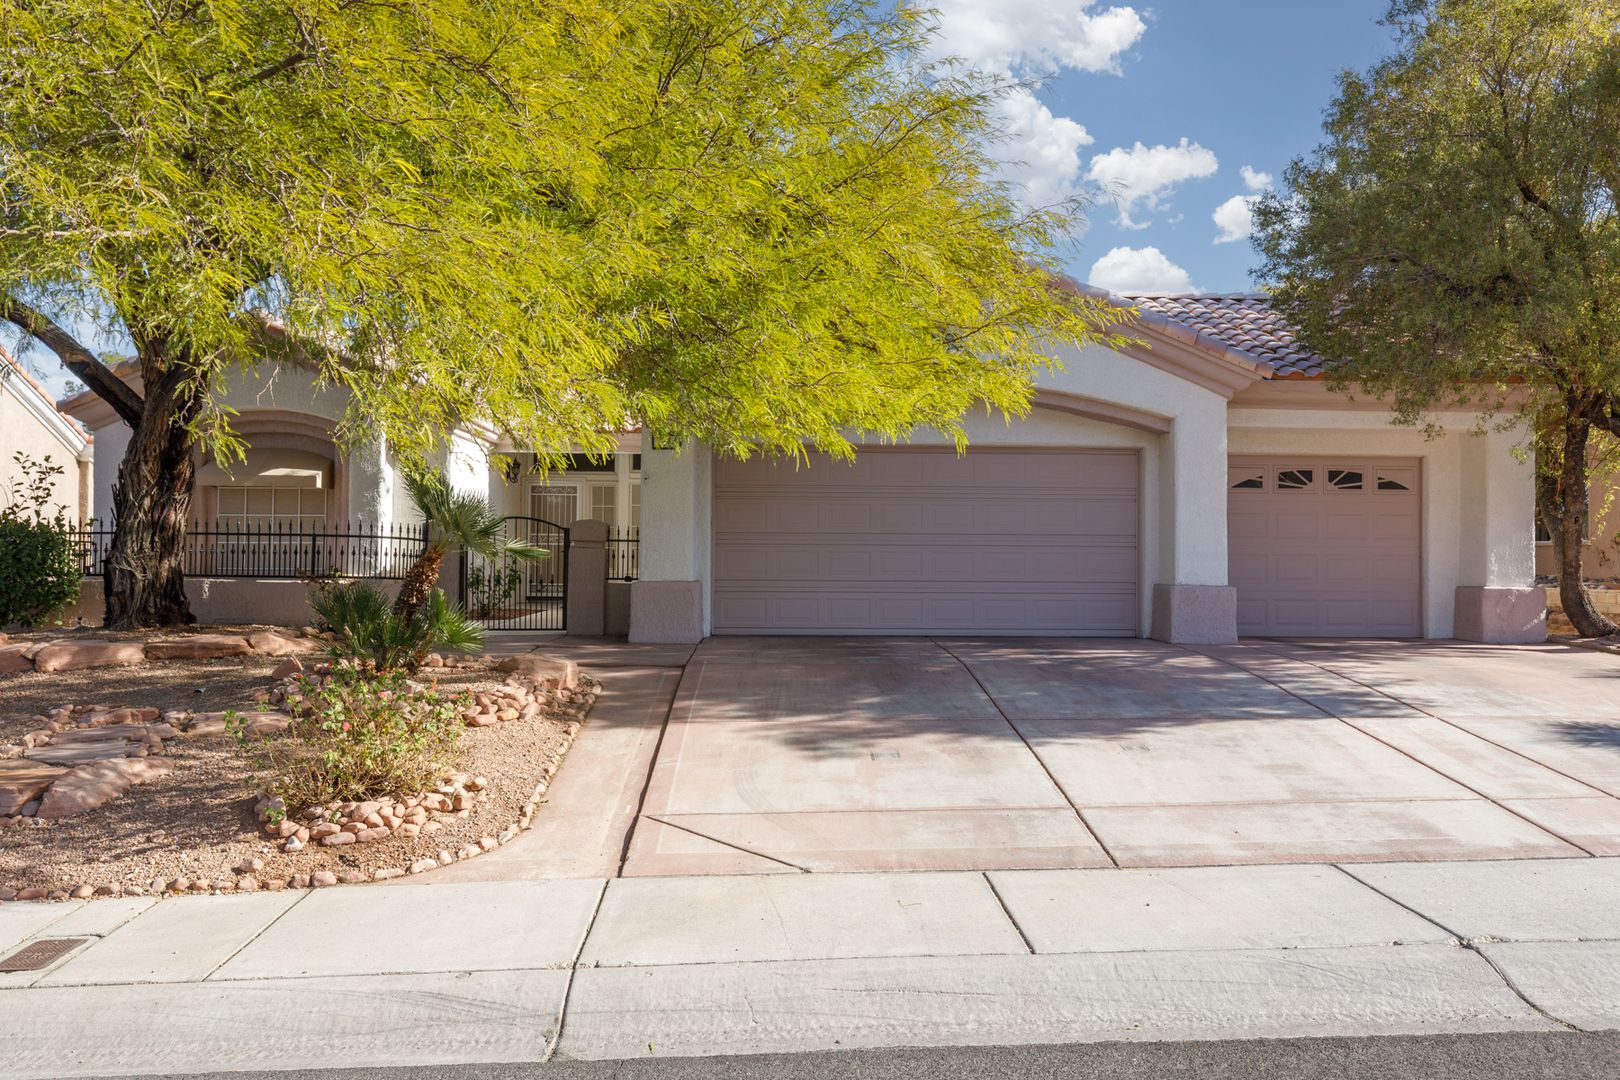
x: 197, y: 822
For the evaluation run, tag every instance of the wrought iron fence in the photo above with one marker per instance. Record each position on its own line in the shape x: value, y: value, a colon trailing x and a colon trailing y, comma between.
x: 269, y: 550
x: 623, y: 554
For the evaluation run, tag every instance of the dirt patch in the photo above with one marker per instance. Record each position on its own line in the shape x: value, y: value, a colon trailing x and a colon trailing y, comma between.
x: 42, y: 634
x: 197, y: 822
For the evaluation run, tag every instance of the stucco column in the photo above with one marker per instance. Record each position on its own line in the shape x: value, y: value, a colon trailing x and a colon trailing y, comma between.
x: 1192, y: 602
x: 587, y: 577
x: 1497, y: 599
x: 669, y: 603
x: 370, y: 500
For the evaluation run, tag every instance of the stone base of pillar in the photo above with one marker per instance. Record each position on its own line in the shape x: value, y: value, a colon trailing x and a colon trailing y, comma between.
x: 1501, y: 616
x: 1195, y: 614
x: 666, y: 612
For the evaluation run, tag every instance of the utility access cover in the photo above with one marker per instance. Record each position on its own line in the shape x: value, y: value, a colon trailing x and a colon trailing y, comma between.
x: 37, y: 955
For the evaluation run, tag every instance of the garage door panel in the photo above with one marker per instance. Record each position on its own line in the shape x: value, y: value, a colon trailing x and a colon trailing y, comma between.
x: 919, y: 541
x: 1338, y: 559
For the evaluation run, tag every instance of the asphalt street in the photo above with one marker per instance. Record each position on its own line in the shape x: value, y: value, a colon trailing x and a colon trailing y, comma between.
x: 1572, y: 1056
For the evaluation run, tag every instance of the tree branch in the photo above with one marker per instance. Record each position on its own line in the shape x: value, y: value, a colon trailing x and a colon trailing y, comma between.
x: 79, y: 360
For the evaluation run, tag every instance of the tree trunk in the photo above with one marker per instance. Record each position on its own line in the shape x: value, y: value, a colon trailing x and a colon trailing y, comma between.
x: 145, y: 581
x: 1562, y: 491
x: 420, y: 581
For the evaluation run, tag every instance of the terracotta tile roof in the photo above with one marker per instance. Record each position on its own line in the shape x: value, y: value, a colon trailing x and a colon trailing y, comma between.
x: 1243, y: 322
x: 39, y: 388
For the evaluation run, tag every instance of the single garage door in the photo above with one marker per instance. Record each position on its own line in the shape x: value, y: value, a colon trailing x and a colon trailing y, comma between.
x: 1325, y: 547
x: 928, y: 542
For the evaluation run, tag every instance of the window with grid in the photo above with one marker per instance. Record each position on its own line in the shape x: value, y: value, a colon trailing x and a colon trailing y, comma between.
x: 605, y: 503
x: 296, y: 509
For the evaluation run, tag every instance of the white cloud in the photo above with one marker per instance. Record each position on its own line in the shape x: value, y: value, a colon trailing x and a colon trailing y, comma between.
x: 1142, y: 178
x: 1139, y: 270
x: 1040, y: 155
x: 1039, y: 152
x: 1235, y: 217
x: 1035, y: 36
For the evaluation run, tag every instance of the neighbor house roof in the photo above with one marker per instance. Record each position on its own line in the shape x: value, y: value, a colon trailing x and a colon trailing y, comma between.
x: 1242, y: 322
x: 38, y: 401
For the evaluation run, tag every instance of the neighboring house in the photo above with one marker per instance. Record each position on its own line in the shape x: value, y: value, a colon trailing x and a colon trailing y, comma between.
x: 1602, y: 561
x: 30, y: 423
x: 1197, y: 484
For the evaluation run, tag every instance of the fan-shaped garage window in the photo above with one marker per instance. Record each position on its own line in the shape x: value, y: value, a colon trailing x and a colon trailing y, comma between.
x: 1246, y: 478
x: 1344, y: 479
x: 1397, y: 479
x: 1295, y: 479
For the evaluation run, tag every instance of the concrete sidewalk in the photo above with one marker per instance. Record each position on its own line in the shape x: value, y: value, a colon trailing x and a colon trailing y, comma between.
x: 622, y: 968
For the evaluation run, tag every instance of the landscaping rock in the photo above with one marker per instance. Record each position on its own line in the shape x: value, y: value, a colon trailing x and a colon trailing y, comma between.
x: 198, y: 647
x: 270, y: 643
x: 23, y: 781
x: 88, y: 786
x: 14, y: 658
x: 88, y: 653
x: 104, y: 716
x: 287, y: 669
x: 554, y: 673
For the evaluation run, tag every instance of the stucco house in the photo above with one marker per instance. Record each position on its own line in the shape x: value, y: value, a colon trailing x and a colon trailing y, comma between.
x: 301, y: 505
x: 1197, y: 484
x: 31, y: 424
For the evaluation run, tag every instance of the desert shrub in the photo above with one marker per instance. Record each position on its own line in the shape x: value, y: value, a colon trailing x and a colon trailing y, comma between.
x: 371, y: 634
x: 491, y: 587
x: 39, y: 570
x: 358, y: 736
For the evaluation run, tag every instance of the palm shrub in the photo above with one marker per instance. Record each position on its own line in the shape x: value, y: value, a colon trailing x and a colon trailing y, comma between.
x: 455, y: 521
x: 379, y: 639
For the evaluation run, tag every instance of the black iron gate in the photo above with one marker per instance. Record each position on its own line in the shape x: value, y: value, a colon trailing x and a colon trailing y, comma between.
x: 508, y: 593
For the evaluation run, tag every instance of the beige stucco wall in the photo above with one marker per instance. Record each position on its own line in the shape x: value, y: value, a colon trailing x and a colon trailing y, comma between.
x: 1183, y: 526
x: 1478, y: 491
x: 1602, y: 561
x: 23, y: 431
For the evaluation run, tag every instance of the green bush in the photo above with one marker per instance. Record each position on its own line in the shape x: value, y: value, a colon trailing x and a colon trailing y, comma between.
x: 39, y: 569
x: 370, y: 634
x: 358, y: 736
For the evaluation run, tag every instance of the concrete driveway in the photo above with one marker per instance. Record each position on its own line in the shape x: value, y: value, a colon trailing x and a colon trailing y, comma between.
x: 791, y: 754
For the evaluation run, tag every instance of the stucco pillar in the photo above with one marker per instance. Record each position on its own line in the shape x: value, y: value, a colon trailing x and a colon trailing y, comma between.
x: 370, y: 481
x: 1497, y: 600
x: 587, y: 577
x: 1192, y: 602
x: 669, y: 602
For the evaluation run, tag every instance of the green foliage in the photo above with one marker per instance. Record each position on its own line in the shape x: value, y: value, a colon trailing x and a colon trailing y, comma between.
x: 358, y: 736
x: 371, y: 635
x: 759, y: 223
x: 457, y: 521
x: 39, y: 570
x: 1456, y: 238
x: 1456, y: 234
x: 491, y: 587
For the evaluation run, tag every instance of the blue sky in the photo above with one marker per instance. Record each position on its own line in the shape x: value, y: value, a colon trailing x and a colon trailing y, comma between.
x: 1179, y: 110
x: 1243, y: 82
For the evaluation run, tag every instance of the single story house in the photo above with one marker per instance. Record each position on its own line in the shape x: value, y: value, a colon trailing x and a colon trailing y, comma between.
x: 31, y: 424
x: 1197, y: 484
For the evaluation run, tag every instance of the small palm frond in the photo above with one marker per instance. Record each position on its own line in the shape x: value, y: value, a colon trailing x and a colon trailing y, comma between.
x: 446, y: 626
x: 524, y: 551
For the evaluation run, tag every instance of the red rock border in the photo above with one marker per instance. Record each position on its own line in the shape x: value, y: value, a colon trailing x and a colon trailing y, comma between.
x: 74, y: 654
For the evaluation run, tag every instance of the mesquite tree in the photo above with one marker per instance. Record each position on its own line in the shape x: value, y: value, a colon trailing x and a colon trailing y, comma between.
x: 1455, y: 239
x: 759, y: 223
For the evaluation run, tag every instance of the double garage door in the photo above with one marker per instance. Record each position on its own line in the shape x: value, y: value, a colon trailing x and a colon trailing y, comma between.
x: 929, y: 542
